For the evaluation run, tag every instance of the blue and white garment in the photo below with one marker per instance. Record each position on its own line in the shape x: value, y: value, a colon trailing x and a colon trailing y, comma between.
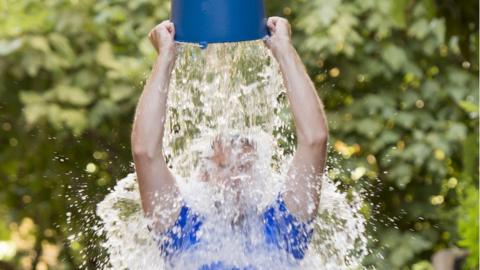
x: 282, y: 233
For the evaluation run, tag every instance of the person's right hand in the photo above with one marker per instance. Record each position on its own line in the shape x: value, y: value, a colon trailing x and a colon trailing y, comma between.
x: 161, y: 37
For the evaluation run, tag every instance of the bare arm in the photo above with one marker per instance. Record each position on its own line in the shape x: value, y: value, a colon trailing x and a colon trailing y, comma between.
x: 304, y: 176
x: 158, y: 189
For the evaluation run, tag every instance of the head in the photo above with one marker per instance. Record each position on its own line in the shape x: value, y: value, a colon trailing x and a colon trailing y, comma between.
x: 230, y: 161
x: 236, y: 168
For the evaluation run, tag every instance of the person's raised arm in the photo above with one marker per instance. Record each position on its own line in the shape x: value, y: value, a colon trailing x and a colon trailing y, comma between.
x: 158, y: 189
x: 302, y: 190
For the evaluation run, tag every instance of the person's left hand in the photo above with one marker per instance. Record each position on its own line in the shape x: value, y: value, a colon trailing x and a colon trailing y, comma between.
x: 280, y: 38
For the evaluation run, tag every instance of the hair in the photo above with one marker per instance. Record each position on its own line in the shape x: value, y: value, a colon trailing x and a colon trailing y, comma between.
x: 258, y: 142
x: 261, y: 144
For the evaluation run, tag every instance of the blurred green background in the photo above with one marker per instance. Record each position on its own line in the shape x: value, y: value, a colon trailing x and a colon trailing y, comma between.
x: 399, y: 79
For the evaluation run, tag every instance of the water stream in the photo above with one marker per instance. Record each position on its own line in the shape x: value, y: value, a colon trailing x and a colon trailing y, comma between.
x: 230, y: 88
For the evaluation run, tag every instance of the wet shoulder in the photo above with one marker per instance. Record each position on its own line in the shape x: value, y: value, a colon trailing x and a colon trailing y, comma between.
x: 182, y: 234
x: 285, y: 231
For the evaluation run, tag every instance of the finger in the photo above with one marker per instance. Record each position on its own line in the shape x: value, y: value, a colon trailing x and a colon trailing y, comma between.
x: 280, y: 21
x: 271, y: 24
x: 274, y: 19
x: 170, y: 28
x: 165, y: 22
x: 162, y: 25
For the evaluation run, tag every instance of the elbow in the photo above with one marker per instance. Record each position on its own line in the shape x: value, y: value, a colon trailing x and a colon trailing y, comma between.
x: 145, y: 154
x: 317, y: 140
x: 140, y: 151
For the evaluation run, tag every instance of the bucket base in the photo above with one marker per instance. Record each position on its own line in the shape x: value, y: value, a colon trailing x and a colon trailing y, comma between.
x: 218, y: 21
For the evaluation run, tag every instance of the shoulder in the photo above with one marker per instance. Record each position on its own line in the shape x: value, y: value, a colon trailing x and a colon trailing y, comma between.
x: 180, y: 234
x: 286, y: 231
x: 278, y: 208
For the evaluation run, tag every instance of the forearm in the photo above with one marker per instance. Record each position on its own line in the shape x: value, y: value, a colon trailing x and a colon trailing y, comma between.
x: 306, y: 106
x: 148, y: 126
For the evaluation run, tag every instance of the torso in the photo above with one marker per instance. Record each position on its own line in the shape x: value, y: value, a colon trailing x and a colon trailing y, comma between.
x: 206, y: 241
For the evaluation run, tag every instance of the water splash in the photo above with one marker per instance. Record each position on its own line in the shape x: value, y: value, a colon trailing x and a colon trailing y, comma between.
x: 225, y: 88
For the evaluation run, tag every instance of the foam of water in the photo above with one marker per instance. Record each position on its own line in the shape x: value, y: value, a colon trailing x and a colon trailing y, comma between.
x: 225, y: 88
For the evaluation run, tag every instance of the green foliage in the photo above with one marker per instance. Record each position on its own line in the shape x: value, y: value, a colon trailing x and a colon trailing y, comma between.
x: 401, y: 99
x: 423, y: 265
x: 468, y: 226
x: 399, y: 80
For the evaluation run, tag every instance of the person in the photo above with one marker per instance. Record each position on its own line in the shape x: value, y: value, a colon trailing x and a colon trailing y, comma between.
x: 231, y: 159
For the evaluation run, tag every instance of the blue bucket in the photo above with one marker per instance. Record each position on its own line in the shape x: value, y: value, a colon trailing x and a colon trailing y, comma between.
x: 218, y: 21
